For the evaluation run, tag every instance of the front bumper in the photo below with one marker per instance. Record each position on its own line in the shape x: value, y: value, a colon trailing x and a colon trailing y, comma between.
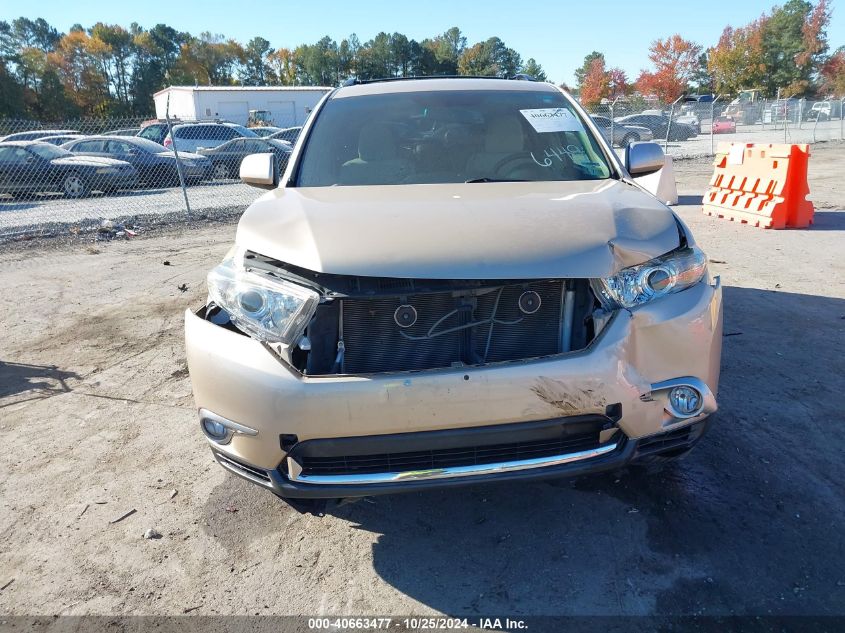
x: 239, y: 379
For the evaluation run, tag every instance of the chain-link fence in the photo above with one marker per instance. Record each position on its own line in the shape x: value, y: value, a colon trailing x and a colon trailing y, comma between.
x: 694, y: 128
x: 117, y: 176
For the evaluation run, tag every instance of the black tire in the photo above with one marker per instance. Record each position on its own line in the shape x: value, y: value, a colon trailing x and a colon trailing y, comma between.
x: 221, y: 171
x: 74, y: 186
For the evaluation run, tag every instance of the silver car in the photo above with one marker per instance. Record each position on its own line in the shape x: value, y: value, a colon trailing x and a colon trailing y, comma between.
x: 189, y: 137
x: 623, y: 135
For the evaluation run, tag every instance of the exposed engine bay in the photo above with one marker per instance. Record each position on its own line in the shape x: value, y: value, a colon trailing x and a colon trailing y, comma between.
x: 369, y: 325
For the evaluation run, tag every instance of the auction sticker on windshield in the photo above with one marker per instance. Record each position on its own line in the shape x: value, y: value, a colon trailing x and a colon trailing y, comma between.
x: 553, y: 120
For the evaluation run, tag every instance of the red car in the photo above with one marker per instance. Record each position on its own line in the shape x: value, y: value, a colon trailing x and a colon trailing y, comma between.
x: 724, y: 125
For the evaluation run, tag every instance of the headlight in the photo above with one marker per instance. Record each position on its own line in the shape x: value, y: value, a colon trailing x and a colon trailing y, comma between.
x: 266, y: 308
x: 636, y: 285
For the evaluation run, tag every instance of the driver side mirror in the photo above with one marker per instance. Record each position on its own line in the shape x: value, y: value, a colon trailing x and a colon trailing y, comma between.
x: 642, y: 159
x: 259, y: 170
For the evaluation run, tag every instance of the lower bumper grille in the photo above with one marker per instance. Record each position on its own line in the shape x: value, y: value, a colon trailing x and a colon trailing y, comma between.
x: 446, y: 458
x: 664, y: 441
x: 449, y: 453
x: 244, y: 470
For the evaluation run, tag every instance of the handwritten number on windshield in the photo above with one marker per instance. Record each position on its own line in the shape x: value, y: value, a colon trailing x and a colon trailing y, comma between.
x: 556, y: 153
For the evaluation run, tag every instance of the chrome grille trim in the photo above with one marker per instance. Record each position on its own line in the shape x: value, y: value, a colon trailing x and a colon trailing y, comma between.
x: 295, y: 471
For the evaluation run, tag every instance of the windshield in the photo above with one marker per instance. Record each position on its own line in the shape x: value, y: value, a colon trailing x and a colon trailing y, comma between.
x: 45, y: 150
x: 448, y: 136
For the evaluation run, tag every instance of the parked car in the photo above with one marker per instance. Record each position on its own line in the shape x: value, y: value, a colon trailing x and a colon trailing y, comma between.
x: 156, y: 166
x: 690, y: 119
x: 226, y: 158
x: 457, y: 284
x: 289, y: 134
x: 61, y: 139
x: 724, y: 125
x: 34, y: 135
x: 785, y: 110
x: 28, y: 167
x: 190, y: 137
x: 659, y: 125
x: 129, y: 131
x: 623, y: 135
x: 266, y: 131
x: 825, y: 110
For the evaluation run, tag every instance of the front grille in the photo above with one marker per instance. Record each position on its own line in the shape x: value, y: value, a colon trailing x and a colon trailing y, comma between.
x: 375, y: 343
x: 447, y: 457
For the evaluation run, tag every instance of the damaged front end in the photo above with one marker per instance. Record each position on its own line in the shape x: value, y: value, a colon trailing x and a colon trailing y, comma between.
x: 321, y: 385
x: 367, y: 325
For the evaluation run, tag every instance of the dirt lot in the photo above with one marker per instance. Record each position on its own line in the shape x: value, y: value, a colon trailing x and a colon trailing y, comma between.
x: 97, y: 420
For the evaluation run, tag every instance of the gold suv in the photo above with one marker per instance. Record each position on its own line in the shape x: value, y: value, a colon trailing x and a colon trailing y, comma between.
x: 454, y: 281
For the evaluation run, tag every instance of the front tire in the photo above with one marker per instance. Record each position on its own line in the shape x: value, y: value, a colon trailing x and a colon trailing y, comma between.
x: 74, y: 186
x: 221, y: 171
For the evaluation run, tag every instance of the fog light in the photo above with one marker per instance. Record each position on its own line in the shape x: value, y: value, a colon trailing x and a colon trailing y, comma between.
x: 221, y: 430
x: 214, y: 429
x: 685, y: 400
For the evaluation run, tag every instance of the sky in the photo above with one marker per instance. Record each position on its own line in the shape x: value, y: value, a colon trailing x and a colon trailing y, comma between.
x: 557, y: 34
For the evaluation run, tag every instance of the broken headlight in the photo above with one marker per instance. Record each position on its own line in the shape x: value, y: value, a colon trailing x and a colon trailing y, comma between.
x: 268, y: 309
x: 638, y: 284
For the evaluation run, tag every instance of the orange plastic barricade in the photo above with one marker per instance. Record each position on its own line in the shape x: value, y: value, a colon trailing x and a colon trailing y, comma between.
x: 761, y: 185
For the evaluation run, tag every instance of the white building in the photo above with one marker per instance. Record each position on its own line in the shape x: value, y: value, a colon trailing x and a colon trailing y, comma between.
x: 287, y: 105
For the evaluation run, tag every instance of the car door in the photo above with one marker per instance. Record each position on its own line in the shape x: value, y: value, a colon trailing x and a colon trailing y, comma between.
x: 24, y: 171
x: 7, y: 160
x: 185, y: 137
x: 233, y: 153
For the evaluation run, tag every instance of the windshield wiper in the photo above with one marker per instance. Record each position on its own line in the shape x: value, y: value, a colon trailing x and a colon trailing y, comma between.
x: 485, y: 179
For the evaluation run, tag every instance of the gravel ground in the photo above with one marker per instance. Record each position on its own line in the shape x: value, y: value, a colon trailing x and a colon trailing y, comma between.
x: 102, y: 445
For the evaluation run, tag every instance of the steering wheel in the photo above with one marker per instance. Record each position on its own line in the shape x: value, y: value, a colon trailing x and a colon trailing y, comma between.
x: 516, y: 159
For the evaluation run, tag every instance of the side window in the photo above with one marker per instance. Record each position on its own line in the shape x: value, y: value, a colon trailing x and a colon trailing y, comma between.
x: 188, y: 132
x: 89, y: 146
x: 229, y: 132
x: 119, y: 147
x: 6, y: 155
x: 20, y: 156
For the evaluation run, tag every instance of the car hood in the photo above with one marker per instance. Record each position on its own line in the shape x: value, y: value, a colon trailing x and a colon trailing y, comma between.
x: 462, y: 231
x: 89, y: 161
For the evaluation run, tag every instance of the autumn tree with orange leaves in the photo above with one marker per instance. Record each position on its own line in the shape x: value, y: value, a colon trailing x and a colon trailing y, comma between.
x: 675, y: 63
x: 833, y: 75
x: 782, y: 50
x: 597, y: 82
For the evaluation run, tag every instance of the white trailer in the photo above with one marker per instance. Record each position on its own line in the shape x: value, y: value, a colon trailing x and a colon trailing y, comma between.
x: 287, y: 106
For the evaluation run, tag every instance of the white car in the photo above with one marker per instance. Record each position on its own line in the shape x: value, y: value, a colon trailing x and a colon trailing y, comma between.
x: 189, y: 137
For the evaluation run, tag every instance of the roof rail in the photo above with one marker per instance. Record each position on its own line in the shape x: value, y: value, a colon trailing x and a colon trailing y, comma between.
x: 352, y: 81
